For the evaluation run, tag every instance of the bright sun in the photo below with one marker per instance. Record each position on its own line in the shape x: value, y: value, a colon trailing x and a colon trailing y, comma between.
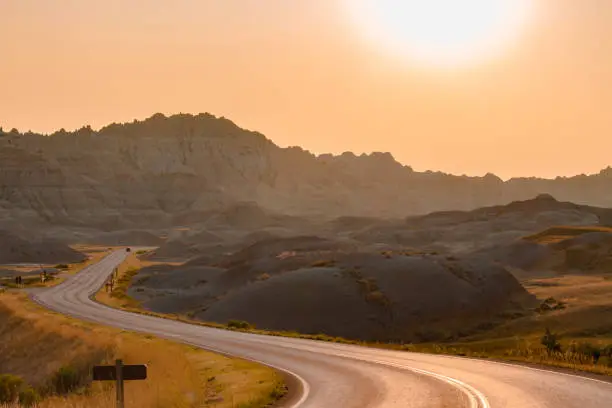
x: 441, y: 32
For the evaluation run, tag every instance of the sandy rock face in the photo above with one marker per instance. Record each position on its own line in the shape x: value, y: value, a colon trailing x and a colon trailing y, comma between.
x: 130, y: 175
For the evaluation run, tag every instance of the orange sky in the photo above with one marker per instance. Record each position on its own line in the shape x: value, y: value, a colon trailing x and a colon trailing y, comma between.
x: 298, y: 72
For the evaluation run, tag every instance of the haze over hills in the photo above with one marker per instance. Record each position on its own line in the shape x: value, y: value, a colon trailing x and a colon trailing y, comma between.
x: 355, y: 246
x: 439, y: 276
x: 166, y: 171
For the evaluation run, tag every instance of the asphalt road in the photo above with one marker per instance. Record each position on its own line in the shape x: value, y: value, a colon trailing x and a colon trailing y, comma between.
x: 343, y: 376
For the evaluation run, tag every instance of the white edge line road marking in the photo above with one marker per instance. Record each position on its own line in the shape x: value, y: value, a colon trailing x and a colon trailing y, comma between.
x: 477, y: 398
x: 304, y: 384
x: 527, y: 368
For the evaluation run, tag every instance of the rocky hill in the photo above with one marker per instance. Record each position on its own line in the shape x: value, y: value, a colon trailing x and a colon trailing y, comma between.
x: 16, y: 249
x: 167, y: 171
x: 556, y: 251
x: 417, y: 278
x: 316, y: 285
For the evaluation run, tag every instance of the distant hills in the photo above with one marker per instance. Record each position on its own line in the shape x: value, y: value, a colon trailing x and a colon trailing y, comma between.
x: 440, y: 276
x: 164, y: 171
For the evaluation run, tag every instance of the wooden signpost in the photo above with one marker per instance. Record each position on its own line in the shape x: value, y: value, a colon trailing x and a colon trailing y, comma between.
x: 120, y: 373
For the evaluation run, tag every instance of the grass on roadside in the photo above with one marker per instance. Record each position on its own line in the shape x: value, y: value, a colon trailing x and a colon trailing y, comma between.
x: 118, y: 297
x: 37, y: 344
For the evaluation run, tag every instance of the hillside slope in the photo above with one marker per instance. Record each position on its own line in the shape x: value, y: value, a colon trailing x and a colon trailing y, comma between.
x: 166, y: 170
x: 316, y: 285
x: 17, y: 249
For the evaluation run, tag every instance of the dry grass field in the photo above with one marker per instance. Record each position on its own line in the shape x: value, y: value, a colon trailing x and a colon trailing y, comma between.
x: 561, y: 233
x: 38, y: 346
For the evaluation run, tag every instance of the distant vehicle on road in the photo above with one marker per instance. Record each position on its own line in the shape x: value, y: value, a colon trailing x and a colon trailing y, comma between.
x: 128, y: 250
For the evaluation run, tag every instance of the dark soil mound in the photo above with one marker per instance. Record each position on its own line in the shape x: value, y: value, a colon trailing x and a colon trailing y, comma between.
x: 15, y: 249
x: 315, y: 285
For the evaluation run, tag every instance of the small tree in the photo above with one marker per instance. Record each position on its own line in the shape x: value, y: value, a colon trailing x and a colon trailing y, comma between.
x: 550, y: 340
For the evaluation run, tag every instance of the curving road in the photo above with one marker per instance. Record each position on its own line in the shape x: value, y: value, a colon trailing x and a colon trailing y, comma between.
x: 344, y: 376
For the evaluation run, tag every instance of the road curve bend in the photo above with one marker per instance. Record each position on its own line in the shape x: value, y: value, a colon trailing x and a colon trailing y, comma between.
x: 345, y: 376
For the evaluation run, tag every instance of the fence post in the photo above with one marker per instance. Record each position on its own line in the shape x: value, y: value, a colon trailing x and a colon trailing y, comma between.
x: 119, y: 368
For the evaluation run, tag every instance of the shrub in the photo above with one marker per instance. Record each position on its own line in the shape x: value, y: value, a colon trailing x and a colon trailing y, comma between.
x: 551, y: 304
x: 550, y: 340
x: 323, y: 263
x: 278, y: 392
x: 28, y: 397
x: 377, y: 297
x: 62, y: 266
x: 239, y: 324
x: 588, y: 350
x: 386, y: 254
x: 408, y: 347
x: 66, y: 380
x: 10, y: 385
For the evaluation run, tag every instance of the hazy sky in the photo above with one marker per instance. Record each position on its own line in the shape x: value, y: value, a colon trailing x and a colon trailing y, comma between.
x: 300, y: 72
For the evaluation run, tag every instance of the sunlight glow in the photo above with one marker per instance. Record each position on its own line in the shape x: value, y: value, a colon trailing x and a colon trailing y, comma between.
x: 441, y: 32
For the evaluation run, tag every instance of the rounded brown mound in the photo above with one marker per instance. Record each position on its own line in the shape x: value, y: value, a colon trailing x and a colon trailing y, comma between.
x: 520, y: 254
x: 16, y: 249
x: 375, y: 297
x: 588, y: 252
x: 312, y: 300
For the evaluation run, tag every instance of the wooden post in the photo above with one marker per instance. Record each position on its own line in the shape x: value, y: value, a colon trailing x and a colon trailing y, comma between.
x: 119, y: 368
x: 119, y: 373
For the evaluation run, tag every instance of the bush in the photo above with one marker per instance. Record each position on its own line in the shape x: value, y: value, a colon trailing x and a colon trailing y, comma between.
x: 62, y: 266
x: 323, y: 263
x: 550, y: 340
x: 377, y: 297
x: 28, y: 397
x: 10, y: 385
x: 587, y: 350
x: 65, y: 380
x: 278, y: 392
x: 239, y: 324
